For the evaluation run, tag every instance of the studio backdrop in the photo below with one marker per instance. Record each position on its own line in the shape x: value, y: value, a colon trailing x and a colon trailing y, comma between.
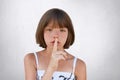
x: 97, y: 30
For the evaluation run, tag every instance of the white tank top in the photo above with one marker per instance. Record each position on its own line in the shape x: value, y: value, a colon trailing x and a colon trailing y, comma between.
x: 57, y: 75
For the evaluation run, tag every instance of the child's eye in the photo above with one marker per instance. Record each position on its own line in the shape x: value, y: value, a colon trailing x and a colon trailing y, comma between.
x: 62, y: 30
x: 48, y: 29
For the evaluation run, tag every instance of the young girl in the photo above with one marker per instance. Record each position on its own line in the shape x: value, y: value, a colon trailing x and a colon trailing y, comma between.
x: 55, y: 33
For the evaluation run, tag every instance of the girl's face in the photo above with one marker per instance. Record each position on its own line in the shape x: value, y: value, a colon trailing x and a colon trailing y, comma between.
x: 51, y: 32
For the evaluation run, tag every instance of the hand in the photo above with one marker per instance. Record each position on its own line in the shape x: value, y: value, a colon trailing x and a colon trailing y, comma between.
x: 56, y: 56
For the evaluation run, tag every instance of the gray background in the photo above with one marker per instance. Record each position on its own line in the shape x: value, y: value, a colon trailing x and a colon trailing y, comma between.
x: 96, y: 23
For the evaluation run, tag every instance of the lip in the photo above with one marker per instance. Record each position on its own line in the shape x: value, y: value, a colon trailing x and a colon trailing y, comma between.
x: 54, y: 42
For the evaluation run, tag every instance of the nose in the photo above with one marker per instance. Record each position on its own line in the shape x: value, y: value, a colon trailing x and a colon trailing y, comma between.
x: 56, y: 33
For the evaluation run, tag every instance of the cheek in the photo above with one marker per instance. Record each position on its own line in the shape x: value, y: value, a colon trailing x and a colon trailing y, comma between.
x: 46, y: 37
x: 64, y: 36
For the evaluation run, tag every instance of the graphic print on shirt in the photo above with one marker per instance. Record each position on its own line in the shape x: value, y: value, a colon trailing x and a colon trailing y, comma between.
x: 62, y: 77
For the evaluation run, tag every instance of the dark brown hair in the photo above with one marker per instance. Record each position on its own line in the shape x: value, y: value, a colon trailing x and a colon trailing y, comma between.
x: 62, y: 19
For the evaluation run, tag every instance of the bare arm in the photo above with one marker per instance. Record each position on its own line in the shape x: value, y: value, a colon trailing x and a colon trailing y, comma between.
x: 48, y: 73
x: 80, y: 70
x: 30, y: 67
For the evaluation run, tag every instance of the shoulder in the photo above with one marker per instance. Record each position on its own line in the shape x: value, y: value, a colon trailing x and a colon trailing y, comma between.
x: 80, y: 64
x: 29, y: 58
x: 80, y: 70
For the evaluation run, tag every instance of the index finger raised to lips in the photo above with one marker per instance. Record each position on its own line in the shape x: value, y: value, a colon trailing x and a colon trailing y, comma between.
x: 55, y: 45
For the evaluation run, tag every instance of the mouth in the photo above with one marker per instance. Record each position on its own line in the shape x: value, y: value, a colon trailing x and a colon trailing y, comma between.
x: 54, y: 42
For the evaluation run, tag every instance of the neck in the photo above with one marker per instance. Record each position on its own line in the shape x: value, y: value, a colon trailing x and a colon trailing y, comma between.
x: 48, y: 50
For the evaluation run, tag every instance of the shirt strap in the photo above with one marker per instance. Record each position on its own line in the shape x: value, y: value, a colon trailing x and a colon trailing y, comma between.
x: 36, y: 58
x: 74, y: 64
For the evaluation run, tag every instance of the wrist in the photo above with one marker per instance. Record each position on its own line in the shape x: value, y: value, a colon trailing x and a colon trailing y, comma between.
x: 51, y: 69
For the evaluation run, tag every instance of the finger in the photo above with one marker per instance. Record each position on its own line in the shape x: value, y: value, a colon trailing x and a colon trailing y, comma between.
x: 61, y: 58
x: 55, y: 45
x: 64, y: 54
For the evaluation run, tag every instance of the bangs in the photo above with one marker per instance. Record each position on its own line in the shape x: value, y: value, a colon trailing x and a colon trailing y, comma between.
x: 57, y: 24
